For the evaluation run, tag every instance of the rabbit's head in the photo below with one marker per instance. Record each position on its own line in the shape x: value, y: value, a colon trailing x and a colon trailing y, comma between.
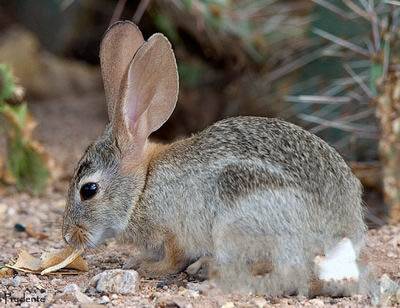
x: 141, y: 86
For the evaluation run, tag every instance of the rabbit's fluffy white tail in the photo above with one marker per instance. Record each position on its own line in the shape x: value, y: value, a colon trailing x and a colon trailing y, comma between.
x: 339, y: 272
x: 339, y: 263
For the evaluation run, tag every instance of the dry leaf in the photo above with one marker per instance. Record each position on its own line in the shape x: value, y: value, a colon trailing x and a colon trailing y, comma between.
x: 68, y: 256
x: 6, y: 272
x: 36, y: 234
x: 49, y: 262
x: 28, y: 262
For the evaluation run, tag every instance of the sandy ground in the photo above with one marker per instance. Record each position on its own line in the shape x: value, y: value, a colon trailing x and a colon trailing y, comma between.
x: 44, y: 214
x: 71, y: 123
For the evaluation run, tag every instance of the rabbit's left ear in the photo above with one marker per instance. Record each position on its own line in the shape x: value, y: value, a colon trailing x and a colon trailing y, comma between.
x: 119, y: 45
x: 151, y: 92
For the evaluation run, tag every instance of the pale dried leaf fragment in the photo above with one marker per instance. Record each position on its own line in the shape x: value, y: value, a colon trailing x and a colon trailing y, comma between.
x: 50, y: 262
x: 28, y: 262
x: 75, y: 254
x: 50, y: 259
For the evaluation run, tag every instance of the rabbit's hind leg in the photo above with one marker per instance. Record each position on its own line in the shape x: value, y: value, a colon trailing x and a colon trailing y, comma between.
x: 248, y: 261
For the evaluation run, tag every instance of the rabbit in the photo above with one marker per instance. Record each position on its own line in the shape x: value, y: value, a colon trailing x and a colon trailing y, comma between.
x: 256, y: 201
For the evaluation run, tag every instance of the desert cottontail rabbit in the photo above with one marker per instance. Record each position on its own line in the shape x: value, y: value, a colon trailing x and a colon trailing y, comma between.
x: 270, y: 206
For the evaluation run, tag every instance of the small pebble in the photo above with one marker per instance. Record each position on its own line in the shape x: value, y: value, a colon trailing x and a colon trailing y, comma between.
x: 260, y: 302
x: 104, y: 300
x: 11, y: 211
x: 317, y: 302
x: 73, y: 291
x: 194, y: 286
x: 19, y: 227
x: 16, y: 281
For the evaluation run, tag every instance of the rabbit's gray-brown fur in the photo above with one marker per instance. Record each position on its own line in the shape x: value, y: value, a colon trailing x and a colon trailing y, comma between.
x: 247, y: 191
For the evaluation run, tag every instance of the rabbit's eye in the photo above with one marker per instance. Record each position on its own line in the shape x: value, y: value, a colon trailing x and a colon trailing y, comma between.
x: 88, y: 190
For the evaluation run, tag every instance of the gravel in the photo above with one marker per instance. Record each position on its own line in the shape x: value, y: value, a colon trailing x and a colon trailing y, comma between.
x: 44, y: 214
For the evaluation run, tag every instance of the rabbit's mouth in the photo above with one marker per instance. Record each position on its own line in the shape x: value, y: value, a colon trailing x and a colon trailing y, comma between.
x: 79, y: 237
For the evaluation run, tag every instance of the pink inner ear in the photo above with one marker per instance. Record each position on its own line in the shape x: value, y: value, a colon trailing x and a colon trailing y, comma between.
x: 150, y: 90
x: 135, y: 109
x: 130, y: 114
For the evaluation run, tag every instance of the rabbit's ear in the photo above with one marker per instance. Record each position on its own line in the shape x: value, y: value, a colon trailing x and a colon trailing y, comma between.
x: 151, y: 92
x: 120, y: 43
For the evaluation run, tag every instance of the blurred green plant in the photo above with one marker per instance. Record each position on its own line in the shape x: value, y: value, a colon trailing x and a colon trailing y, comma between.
x: 358, y: 43
x: 165, y: 25
x: 25, y: 163
x: 253, y: 27
x: 190, y: 73
x: 7, y: 85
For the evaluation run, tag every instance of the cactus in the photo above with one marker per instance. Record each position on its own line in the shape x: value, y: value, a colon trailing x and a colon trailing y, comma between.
x: 257, y: 28
x: 366, y: 66
x: 25, y: 164
x: 7, y: 85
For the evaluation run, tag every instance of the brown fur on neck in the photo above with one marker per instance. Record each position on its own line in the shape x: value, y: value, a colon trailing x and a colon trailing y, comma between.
x: 132, y: 164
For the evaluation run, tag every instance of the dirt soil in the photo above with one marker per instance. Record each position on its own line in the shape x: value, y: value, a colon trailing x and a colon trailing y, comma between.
x: 44, y: 215
x: 66, y: 127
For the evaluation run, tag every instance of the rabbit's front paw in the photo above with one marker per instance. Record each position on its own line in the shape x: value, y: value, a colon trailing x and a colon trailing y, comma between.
x: 156, y: 269
x: 134, y: 261
x: 173, y: 262
x: 200, y: 268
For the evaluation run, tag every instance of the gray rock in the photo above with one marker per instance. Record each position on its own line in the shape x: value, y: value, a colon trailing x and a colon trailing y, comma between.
x: 73, y: 293
x: 16, y: 281
x: 104, y: 300
x: 114, y: 296
x: 193, y: 286
x: 116, y: 281
x: 388, y: 290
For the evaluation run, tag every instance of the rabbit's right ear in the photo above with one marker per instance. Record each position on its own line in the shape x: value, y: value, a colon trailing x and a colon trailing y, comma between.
x: 149, y: 95
x: 118, y: 47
